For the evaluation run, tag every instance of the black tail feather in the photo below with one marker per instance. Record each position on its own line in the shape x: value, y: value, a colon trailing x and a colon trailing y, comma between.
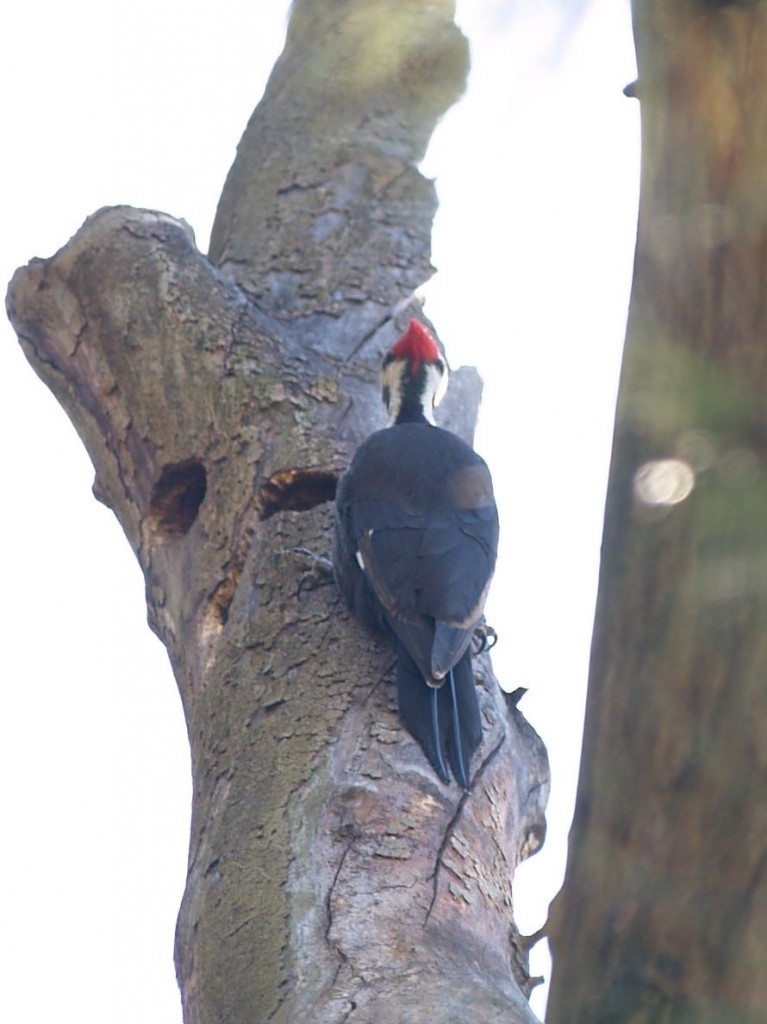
x: 445, y: 720
x: 459, y: 769
x: 465, y: 734
x: 422, y: 712
x: 437, y: 733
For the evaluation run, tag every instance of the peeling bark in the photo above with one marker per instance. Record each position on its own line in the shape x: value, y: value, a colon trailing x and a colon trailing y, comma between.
x: 331, y: 876
x: 663, y: 915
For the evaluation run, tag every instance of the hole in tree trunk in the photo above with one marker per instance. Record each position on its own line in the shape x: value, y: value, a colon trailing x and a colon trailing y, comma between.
x: 176, y: 498
x: 296, y: 490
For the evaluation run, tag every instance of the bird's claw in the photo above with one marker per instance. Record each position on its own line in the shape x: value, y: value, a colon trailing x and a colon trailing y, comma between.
x: 319, y: 571
x: 485, y: 638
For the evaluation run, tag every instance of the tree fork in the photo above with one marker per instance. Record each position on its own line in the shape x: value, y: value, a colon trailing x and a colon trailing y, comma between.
x: 331, y: 876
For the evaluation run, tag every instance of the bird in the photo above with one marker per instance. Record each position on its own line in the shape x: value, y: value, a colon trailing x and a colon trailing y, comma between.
x: 415, y: 546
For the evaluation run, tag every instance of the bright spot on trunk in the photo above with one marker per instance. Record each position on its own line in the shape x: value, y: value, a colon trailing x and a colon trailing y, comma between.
x: 663, y: 482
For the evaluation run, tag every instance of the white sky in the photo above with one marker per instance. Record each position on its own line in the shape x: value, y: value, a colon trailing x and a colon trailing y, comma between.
x: 143, y: 103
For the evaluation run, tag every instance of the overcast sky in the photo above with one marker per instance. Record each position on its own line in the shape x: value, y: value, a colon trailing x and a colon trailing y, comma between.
x: 143, y: 103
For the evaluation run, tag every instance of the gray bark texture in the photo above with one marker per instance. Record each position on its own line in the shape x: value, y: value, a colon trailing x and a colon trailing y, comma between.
x: 663, y: 916
x: 331, y: 876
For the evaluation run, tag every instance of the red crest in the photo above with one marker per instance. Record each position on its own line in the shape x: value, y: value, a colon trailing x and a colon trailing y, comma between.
x: 417, y: 345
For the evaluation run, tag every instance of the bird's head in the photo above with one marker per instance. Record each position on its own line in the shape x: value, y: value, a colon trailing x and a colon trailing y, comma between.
x: 413, y: 376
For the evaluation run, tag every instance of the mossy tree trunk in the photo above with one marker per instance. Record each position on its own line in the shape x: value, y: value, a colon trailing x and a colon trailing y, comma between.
x: 331, y: 876
x: 663, y: 916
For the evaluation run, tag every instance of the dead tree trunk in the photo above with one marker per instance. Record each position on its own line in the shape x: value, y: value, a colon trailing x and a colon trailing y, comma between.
x: 331, y: 877
x: 663, y: 916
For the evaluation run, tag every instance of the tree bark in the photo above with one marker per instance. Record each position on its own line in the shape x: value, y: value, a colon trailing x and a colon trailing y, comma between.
x: 663, y: 915
x: 331, y: 876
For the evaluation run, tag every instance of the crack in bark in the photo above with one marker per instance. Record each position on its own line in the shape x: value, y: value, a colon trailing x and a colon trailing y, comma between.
x: 390, y: 665
x: 453, y: 824
x: 328, y: 899
x: 369, y: 335
x: 379, y: 325
x: 240, y: 926
x: 349, y: 1012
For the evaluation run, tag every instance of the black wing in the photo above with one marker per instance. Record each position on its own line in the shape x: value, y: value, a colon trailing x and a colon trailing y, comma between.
x: 426, y: 529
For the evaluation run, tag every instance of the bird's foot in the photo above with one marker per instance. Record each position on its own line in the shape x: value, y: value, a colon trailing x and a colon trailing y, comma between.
x: 485, y: 638
x: 318, y: 570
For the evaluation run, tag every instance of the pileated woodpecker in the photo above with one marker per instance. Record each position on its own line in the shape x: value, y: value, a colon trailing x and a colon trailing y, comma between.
x: 415, y: 546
